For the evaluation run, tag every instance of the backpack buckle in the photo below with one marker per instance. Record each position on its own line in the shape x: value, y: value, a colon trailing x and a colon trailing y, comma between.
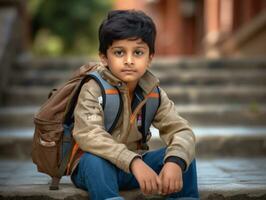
x: 144, y: 146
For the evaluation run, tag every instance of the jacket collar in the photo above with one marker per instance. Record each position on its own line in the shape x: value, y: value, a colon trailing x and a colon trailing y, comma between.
x: 147, y: 82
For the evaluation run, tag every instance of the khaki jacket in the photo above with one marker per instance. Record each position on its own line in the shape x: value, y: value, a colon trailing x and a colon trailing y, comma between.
x: 121, y: 146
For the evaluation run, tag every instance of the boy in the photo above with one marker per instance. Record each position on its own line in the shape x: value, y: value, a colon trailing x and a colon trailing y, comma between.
x: 110, y: 162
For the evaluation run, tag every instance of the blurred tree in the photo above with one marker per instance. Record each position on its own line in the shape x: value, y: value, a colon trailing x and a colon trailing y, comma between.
x: 71, y: 25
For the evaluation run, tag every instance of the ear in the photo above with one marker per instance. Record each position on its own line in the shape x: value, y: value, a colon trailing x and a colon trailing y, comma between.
x: 103, y: 59
x: 150, y: 59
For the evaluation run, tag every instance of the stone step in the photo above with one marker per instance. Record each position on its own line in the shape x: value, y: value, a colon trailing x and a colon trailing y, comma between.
x: 223, y: 114
x: 176, y: 77
x: 29, y: 62
x: 225, y: 179
x: 212, y: 142
x: 47, y: 78
x: 26, y: 62
x: 179, y: 71
x: 25, y: 96
x: 197, y: 115
x: 17, y: 116
x: 216, y: 94
x: 210, y: 77
x: 22, y: 95
x: 206, y: 63
x: 221, y: 141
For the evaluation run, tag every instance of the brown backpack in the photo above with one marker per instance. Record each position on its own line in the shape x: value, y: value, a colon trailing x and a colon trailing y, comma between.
x: 53, y: 142
x: 49, y: 131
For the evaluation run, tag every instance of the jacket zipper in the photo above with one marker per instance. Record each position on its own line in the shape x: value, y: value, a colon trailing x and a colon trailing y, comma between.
x: 129, y: 101
x: 133, y: 115
x: 141, y: 104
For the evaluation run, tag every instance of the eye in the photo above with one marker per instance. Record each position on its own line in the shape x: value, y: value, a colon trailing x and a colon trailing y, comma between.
x: 119, y: 53
x: 138, y: 53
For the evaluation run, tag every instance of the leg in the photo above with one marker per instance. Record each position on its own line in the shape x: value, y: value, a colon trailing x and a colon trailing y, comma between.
x: 190, y: 188
x: 155, y: 160
x: 98, y: 176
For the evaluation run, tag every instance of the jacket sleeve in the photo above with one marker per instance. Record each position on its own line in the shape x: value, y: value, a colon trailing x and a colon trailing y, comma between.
x: 174, y: 131
x: 89, y: 132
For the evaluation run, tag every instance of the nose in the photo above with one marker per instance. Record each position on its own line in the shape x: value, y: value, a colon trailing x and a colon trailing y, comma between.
x: 129, y: 60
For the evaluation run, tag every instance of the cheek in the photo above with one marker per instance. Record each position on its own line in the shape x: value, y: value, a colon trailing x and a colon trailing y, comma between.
x: 144, y: 65
x: 114, y: 65
x: 114, y: 62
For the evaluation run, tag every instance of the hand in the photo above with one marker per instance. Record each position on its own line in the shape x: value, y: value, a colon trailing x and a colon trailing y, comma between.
x: 148, y: 179
x: 171, y: 178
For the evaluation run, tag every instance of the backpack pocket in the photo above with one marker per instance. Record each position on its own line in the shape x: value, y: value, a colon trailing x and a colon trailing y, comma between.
x: 46, y: 146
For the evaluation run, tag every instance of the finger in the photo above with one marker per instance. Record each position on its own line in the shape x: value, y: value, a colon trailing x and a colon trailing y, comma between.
x: 180, y: 185
x: 159, y: 183
x: 177, y: 186
x: 154, y: 186
x: 165, y: 186
x: 142, y: 186
x: 172, y: 187
x: 148, y: 187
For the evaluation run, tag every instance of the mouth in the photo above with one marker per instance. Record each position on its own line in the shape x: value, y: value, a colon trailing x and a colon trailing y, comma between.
x: 128, y: 70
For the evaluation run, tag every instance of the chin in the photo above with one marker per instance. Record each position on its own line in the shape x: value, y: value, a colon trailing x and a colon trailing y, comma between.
x: 128, y: 79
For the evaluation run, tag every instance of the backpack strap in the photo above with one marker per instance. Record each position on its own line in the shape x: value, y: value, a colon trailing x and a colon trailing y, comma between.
x: 112, y: 101
x: 112, y: 106
x: 148, y: 113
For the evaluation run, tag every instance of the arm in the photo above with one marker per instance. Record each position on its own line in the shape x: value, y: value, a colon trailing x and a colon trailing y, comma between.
x: 174, y: 131
x: 180, y: 140
x: 89, y: 132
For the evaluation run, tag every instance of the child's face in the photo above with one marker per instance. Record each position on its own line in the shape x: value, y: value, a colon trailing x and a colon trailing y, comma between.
x: 127, y: 59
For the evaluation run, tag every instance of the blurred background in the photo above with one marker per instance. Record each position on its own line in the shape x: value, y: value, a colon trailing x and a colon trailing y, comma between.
x: 211, y: 28
x: 210, y: 58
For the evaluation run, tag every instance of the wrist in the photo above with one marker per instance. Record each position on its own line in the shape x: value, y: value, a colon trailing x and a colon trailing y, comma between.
x: 178, y: 161
x: 133, y: 162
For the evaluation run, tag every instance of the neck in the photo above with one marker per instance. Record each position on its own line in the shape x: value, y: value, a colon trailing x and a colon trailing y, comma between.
x: 131, y: 88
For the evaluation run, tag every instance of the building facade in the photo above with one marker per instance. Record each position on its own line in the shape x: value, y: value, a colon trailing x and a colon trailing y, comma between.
x: 211, y: 28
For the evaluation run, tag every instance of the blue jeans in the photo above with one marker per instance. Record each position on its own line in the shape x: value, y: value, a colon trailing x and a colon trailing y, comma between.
x: 103, y: 180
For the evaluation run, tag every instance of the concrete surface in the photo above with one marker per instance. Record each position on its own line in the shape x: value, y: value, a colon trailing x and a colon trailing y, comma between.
x: 219, y: 179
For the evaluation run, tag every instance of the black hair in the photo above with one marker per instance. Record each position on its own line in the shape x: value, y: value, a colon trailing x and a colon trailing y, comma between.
x: 126, y: 24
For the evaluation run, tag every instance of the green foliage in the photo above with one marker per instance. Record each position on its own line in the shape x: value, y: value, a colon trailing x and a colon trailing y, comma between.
x: 72, y: 25
x: 47, y: 44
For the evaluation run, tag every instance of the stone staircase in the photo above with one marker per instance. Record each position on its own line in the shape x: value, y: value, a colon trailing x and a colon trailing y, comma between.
x: 206, y: 92
x: 224, y: 99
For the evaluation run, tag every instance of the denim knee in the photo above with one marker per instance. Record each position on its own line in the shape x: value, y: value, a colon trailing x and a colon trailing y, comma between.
x: 115, y: 198
x: 98, y: 176
x: 88, y: 158
x: 183, y: 198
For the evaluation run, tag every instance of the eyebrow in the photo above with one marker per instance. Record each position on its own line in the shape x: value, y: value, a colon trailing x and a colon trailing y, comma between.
x: 141, y: 42
x: 121, y: 47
